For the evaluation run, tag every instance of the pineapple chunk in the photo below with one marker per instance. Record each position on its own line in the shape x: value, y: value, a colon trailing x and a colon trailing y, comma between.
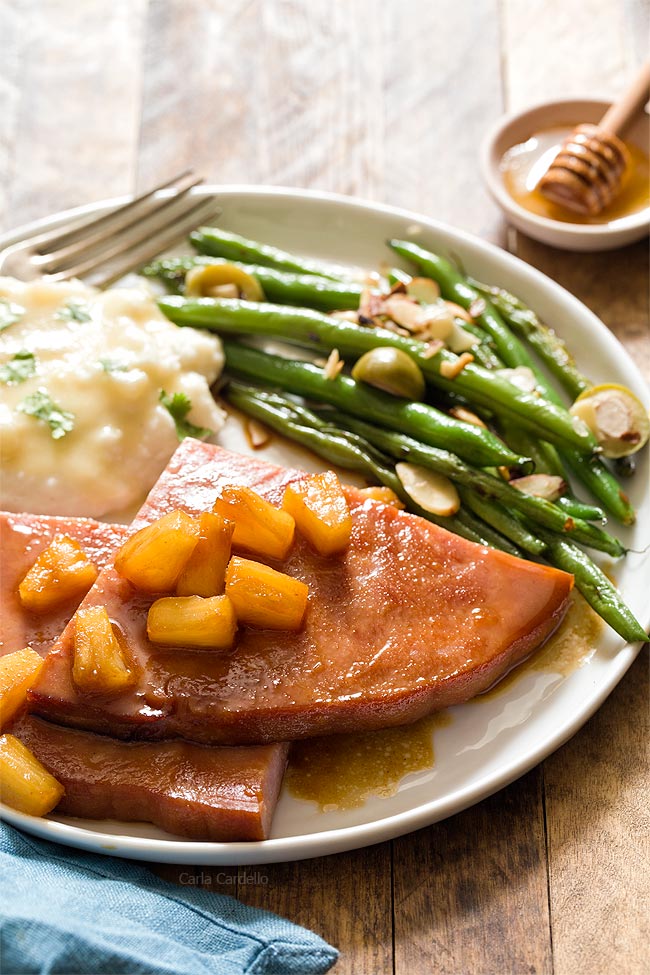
x: 384, y: 494
x: 155, y: 556
x: 193, y: 621
x: 18, y: 671
x: 61, y: 572
x: 259, y: 526
x: 264, y: 597
x: 25, y: 784
x: 204, y: 573
x: 99, y: 665
x: 321, y: 512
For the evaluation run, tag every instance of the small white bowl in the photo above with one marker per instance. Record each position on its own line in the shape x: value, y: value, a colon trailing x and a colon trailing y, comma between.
x: 513, y: 129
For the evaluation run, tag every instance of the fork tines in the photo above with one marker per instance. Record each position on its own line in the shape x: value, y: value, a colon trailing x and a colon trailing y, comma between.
x: 123, y: 239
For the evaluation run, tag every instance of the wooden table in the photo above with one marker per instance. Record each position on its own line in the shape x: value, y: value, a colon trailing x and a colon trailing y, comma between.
x: 388, y: 101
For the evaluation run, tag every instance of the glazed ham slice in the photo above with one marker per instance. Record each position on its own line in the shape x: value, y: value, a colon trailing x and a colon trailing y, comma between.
x: 200, y: 792
x: 408, y: 620
x: 22, y: 539
x: 203, y: 793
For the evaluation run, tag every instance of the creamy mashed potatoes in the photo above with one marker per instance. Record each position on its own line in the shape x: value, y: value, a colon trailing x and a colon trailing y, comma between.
x: 82, y: 427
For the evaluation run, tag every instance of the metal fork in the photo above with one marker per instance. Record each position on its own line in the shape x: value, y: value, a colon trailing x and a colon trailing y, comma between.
x: 115, y: 243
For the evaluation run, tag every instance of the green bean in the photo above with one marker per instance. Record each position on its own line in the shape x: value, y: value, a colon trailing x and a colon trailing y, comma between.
x: 283, y: 287
x: 338, y: 447
x: 454, y: 287
x: 319, y: 434
x: 600, y: 481
x: 417, y: 419
x: 578, y: 509
x: 549, y: 347
x: 495, y: 515
x: 221, y: 243
x: 548, y: 461
x: 311, y: 329
x: 535, y: 509
x: 596, y: 588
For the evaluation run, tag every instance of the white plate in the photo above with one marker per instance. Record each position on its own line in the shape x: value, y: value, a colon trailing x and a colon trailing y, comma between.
x: 490, y: 742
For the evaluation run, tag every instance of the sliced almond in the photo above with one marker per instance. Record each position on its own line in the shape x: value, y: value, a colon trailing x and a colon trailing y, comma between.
x: 477, y: 308
x: 423, y: 290
x: 449, y: 370
x: 431, y: 491
x: 547, y: 486
x: 334, y: 365
x: 457, y: 311
x: 461, y: 413
x: 461, y: 341
x: 404, y: 311
x: 257, y: 434
x: 371, y: 304
x: 346, y: 316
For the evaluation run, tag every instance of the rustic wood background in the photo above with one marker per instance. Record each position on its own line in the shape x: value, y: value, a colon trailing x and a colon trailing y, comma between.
x: 388, y: 101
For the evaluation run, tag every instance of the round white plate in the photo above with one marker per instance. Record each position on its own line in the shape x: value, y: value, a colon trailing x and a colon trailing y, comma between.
x: 488, y: 743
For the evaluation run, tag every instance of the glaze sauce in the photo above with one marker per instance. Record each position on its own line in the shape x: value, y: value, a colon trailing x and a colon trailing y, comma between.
x: 524, y: 165
x: 342, y: 771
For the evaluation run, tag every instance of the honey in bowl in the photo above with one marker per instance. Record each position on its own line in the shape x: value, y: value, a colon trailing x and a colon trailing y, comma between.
x: 523, y: 165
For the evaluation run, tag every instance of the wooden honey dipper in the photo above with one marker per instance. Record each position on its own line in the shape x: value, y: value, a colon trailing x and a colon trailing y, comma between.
x: 588, y: 171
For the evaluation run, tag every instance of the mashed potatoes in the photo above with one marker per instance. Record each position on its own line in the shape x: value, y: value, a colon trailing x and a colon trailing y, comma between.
x: 83, y: 430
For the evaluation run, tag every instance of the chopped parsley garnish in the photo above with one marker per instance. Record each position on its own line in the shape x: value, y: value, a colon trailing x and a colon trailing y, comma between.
x: 113, y: 365
x: 74, y: 311
x: 10, y: 313
x: 41, y: 405
x: 179, y: 405
x: 19, y: 368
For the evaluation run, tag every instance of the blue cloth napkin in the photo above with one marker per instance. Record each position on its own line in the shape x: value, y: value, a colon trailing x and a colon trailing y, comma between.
x: 67, y: 912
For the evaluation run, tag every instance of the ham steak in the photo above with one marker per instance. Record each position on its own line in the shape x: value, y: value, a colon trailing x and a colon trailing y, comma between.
x: 196, y: 791
x: 409, y: 619
x: 22, y: 539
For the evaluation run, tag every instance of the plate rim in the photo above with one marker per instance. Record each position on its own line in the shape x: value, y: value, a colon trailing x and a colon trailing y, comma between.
x: 341, y: 839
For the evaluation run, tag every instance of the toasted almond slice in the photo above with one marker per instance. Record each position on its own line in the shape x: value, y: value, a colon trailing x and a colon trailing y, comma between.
x: 431, y: 491
x: 334, y: 365
x: 461, y: 341
x: 461, y: 413
x: 547, y: 486
x: 346, y: 316
x: 457, y: 311
x: 449, y: 370
x: 257, y: 434
x: 404, y: 311
x: 423, y: 290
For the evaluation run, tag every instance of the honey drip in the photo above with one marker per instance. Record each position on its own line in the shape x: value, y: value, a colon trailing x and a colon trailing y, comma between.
x: 523, y: 165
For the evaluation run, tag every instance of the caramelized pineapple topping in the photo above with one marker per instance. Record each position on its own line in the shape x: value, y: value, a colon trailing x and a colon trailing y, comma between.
x: 100, y: 664
x: 153, y: 558
x: 25, y: 784
x: 264, y: 597
x: 321, y: 512
x: 260, y: 527
x: 18, y: 672
x: 193, y: 621
x: 205, y: 570
x: 62, y: 571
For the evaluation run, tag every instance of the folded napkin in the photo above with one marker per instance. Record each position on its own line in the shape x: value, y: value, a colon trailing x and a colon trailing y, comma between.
x: 63, y: 911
